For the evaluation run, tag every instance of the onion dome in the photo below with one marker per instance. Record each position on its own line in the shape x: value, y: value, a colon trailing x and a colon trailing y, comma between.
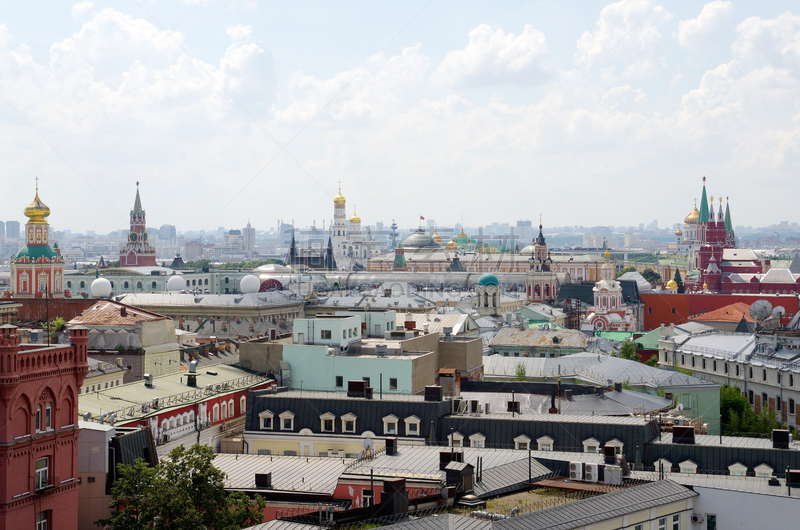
x: 678, y: 232
x: 355, y: 218
x: 488, y: 279
x: 451, y: 245
x: 672, y: 284
x: 437, y: 237
x: 37, y: 210
x: 462, y: 234
x: 693, y: 217
x: 339, y: 199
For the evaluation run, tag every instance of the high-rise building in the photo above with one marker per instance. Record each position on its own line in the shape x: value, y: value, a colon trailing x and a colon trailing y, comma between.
x: 137, y: 252
x: 249, y: 239
x: 12, y: 229
x: 2, y: 230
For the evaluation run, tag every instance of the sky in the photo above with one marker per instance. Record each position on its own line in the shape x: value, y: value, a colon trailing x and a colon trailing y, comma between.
x: 589, y: 113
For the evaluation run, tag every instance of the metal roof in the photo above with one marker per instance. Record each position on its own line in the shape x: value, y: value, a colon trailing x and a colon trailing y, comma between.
x: 562, y: 338
x: 111, y: 313
x: 226, y: 301
x: 601, y: 508
x: 278, y: 524
x: 507, y: 478
x: 444, y: 522
x: 459, y: 322
x: 757, y: 485
x: 289, y: 473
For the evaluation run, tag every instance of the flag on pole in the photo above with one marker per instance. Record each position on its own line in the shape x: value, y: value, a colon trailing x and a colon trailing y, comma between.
x: 421, y: 218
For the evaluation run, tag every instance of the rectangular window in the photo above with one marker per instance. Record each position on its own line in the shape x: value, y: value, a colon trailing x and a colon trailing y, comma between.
x: 287, y: 424
x: 391, y: 428
x: 649, y: 310
x: 264, y: 452
x: 48, y: 416
x: 41, y: 520
x: 327, y: 425
x: 711, y: 522
x: 392, y: 383
x: 38, y: 425
x: 662, y: 523
x: 638, y: 527
x: 750, y: 396
x: 413, y: 429
x: 339, y: 381
x: 673, y: 310
x: 349, y: 426
x: 676, y: 522
x: 42, y: 473
x: 266, y: 423
x: 326, y: 334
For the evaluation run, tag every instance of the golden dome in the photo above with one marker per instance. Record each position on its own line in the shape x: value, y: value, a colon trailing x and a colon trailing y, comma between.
x: 693, y: 217
x: 672, y: 284
x: 462, y: 234
x: 678, y: 232
x: 355, y: 218
x: 437, y: 237
x: 37, y: 210
x: 339, y: 199
x: 451, y: 245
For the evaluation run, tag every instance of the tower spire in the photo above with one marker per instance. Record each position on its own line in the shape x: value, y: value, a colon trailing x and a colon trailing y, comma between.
x: 703, y: 204
x: 728, y: 222
x: 137, y: 204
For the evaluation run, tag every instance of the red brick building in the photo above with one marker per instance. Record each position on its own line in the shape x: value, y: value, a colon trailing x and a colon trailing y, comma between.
x: 39, y: 387
x: 137, y: 252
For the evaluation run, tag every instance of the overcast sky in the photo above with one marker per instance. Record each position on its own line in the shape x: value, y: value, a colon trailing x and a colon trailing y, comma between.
x: 587, y: 112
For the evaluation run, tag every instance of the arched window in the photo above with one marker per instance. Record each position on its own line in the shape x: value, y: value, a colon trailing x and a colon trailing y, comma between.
x: 138, y: 285
x: 83, y: 285
x: 69, y: 285
x: 154, y: 285
x: 125, y: 285
x: 242, y: 405
x: 38, y: 424
x: 226, y: 280
x: 224, y: 410
x: 206, y: 281
x: 48, y: 416
x: 231, y: 410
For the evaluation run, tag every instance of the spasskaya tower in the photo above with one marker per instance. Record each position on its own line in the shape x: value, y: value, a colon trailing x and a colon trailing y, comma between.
x: 137, y: 252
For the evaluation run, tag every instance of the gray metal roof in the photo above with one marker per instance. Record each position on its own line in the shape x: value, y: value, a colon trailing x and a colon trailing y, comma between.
x: 289, y: 473
x: 508, y: 478
x: 225, y: 301
x: 277, y: 524
x: 757, y: 485
x: 598, y: 509
x: 444, y: 522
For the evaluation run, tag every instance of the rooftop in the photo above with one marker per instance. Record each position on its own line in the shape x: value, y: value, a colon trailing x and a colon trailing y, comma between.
x: 543, y: 338
x: 727, y: 441
x: 113, y: 314
x: 226, y: 301
x: 289, y: 473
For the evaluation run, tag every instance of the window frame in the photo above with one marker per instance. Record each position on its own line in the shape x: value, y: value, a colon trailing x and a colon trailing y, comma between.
x: 42, y: 474
x: 545, y: 443
x: 415, y: 421
x: 390, y: 420
x: 349, y: 418
x: 263, y: 417
x: 285, y: 416
x: 327, y: 422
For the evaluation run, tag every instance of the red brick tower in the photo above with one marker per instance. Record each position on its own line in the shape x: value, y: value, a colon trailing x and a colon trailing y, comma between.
x: 137, y: 252
x: 39, y: 387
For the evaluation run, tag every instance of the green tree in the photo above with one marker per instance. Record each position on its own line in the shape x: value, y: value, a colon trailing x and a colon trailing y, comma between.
x: 520, y: 374
x: 679, y: 281
x: 185, y: 491
x: 626, y: 269
x: 739, y: 418
x: 652, y: 361
x: 628, y: 350
x: 651, y: 276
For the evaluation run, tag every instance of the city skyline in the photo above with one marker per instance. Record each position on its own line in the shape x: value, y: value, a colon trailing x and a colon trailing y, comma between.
x: 592, y: 116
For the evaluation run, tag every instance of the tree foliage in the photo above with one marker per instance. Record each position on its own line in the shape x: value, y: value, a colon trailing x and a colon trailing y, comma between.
x: 738, y: 417
x: 628, y: 351
x: 520, y: 374
x: 626, y: 269
x: 652, y: 361
x: 185, y: 491
x: 679, y: 281
x: 651, y: 276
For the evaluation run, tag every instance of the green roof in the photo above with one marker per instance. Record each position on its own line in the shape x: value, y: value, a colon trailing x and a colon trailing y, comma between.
x: 621, y: 336
x: 649, y: 341
x: 703, y: 205
x: 34, y: 252
x: 488, y: 279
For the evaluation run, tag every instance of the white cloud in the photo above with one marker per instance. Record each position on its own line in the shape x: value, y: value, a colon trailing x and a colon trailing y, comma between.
x: 81, y: 8
x: 775, y: 41
x: 626, y: 31
x: 240, y: 32
x: 493, y: 55
x: 712, y: 18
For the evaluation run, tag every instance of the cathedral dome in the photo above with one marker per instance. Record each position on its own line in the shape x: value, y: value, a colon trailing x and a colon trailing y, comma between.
x: 693, y: 217
x: 451, y: 245
x: 678, y: 232
x: 672, y: 284
x: 37, y: 210
x: 420, y: 239
x: 437, y: 237
x: 355, y: 219
x: 339, y: 199
x: 488, y: 279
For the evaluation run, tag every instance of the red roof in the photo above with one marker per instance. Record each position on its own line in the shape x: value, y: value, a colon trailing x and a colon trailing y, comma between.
x: 729, y: 313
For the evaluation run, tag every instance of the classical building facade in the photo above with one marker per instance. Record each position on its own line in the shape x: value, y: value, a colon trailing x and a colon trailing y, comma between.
x: 39, y: 387
x: 610, y: 310
x: 137, y: 252
x: 37, y: 270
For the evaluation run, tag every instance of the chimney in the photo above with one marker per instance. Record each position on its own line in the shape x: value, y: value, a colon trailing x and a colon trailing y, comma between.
x: 123, y: 311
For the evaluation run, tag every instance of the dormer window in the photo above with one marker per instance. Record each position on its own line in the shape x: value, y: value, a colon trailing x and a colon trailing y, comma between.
x: 390, y: 425
x: 265, y: 419
x: 326, y: 422
x: 412, y: 426
x: 477, y: 440
x: 687, y: 466
x: 663, y: 465
x: 456, y: 439
x: 349, y: 423
x: 287, y: 420
x: 737, y: 470
x: 763, y: 471
x: 544, y: 443
x: 522, y: 443
x: 590, y: 445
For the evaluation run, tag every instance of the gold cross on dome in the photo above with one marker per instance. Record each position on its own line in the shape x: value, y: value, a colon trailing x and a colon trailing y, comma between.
x: 540, y: 218
x: 37, y: 184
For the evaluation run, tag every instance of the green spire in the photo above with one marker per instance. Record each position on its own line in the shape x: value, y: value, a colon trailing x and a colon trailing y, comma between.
x: 703, y: 205
x: 399, y: 259
x: 728, y: 222
x: 137, y: 204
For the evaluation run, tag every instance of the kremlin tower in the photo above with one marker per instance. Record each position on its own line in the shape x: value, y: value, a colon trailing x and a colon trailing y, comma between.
x: 137, y: 252
x: 37, y: 270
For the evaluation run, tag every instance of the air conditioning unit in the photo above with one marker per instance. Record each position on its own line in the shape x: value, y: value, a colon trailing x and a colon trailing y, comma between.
x: 592, y: 472
x: 697, y: 518
x: 576, y: 470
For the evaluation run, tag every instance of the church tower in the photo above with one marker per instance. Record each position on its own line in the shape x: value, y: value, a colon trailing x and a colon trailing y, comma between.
x: 37, y: 270
x: 339, y: 226
x: 137, y: 252
x: 541, y: 282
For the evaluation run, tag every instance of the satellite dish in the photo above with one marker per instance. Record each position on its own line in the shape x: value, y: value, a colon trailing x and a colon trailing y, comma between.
x: 368, y: 443
x: 760, y: 310
x: 680, y: 406
x: 779, y: 312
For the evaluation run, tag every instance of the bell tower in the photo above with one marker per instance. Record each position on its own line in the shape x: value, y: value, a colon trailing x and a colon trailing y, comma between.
x: 137, y: 252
